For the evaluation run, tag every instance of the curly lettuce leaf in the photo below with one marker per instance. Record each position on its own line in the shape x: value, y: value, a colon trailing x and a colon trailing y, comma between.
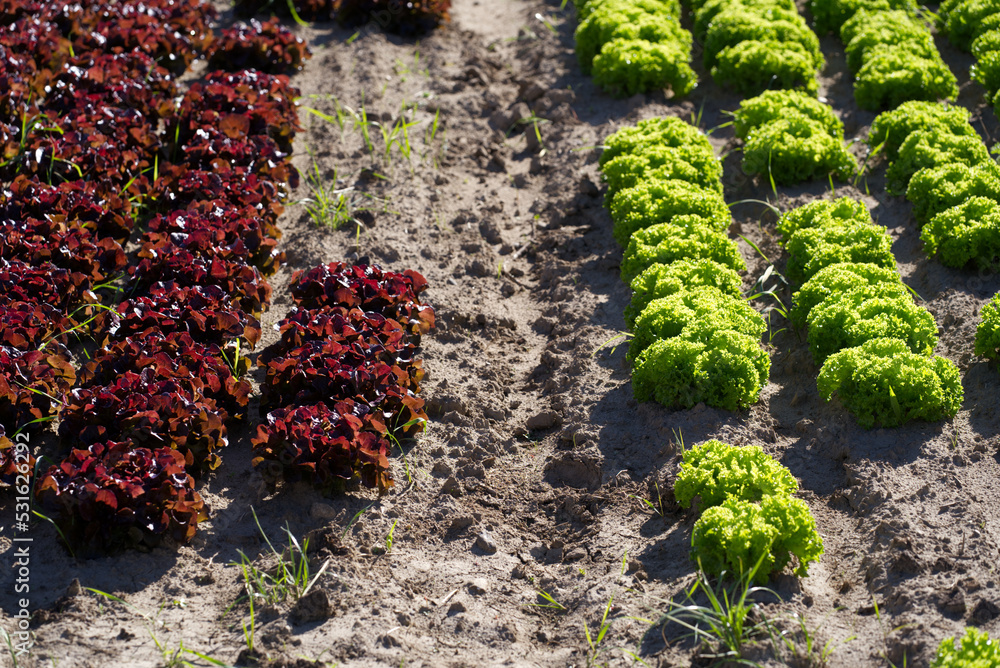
x: 664, y: 279
x: 716, y: 471
x: 737, y: 535
x: 882, y: 381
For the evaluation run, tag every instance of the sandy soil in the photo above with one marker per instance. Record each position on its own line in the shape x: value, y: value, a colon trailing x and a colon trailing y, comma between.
x: 532, y: 473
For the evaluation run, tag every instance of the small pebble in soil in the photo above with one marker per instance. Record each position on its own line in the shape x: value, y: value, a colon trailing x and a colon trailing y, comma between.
x: 542, y: 420
x: 485, y: 542
x: 441, y: 469
x: 461, y: 522
x: 322, y: 511
x: 452, y: 487
x: 312, y: 607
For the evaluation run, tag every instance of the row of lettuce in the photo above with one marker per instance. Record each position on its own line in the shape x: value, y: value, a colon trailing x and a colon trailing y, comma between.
x: 974, y: 25
x: 874, y: 343
x: 751, y: 526
x: 695, y: 338
x: 890, y: 50
x: 98, y: 146
x: 636, y: 46
x: 409, y: 18
x: 934, y: 154
x: 791, y: 137
x: 84, y: 92
x: 939, y: 161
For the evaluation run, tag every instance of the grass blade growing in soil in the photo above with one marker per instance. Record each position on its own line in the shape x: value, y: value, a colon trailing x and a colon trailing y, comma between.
x: 595, y: 641
x: 327, y: 206
x: 726, y: 622
x: 550, y: 602
x: 289, y: 577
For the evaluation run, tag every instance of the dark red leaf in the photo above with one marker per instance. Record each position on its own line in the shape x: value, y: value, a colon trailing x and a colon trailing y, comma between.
x: 115, y: 495
x: 368, y: 288
x: 329, y: 446
x: 144, y: 409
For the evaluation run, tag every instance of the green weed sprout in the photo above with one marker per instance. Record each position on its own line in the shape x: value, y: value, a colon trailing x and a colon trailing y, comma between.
x: 885, y: 310
x: 988, y: 331
x: 665, y: 279
x: 734, y: 536
x: 883, y: 382
x: 968, y: 233
x: 685, y: 237
x: 716, y: 471
x: 728, y: 622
